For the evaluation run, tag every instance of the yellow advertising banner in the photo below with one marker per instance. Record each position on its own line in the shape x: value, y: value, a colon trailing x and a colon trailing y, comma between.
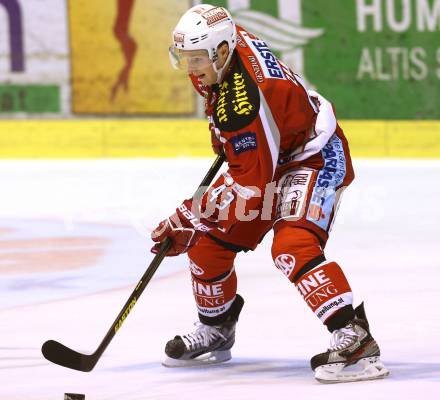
x: 187, y: 137
x: 120, y: 63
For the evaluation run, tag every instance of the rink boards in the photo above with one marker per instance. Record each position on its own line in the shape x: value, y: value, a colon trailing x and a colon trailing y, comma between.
x: 108, y: 138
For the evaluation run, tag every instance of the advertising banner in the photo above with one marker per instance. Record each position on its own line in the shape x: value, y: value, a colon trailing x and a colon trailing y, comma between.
x: 375, y: 59
x: 119, y: 55
x: 33, y: 57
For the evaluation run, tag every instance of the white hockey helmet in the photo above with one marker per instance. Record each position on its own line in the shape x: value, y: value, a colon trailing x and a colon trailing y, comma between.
x: 203, y: 27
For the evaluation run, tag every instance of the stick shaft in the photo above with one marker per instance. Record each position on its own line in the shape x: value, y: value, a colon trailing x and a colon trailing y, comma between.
x: 154, y: 265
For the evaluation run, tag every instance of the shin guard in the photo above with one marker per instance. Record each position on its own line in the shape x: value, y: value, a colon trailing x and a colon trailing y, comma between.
x: 326, y: 291
x: 298, y: 254
x: 214, y: 297
x: 214, y: 281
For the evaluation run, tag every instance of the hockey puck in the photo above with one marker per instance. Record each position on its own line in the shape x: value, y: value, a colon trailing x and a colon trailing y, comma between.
x: 74, y: 396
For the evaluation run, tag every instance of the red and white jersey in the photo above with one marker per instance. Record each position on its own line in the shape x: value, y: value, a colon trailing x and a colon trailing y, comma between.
x: 265, y: 119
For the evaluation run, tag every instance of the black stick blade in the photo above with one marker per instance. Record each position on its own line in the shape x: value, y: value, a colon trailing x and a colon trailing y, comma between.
x: 62, y: 355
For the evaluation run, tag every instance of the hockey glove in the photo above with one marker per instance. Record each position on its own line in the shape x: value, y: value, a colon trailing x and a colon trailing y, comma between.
x: 183, y: 228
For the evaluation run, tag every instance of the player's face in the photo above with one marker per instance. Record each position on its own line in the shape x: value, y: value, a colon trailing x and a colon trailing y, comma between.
x: 198, y: 63
x: 208, y: 75
x: 205, y: 74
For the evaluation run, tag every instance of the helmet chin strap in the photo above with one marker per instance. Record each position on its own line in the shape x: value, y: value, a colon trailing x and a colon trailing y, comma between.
x: 220, y: 71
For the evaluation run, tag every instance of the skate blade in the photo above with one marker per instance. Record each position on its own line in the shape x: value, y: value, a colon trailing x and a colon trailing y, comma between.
x: 213, y: 357
x: 370, y: 368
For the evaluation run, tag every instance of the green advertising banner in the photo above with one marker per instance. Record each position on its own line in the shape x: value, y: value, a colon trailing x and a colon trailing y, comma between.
x: 29, y: 99
x: 34, y: 58
x: 374, y: 59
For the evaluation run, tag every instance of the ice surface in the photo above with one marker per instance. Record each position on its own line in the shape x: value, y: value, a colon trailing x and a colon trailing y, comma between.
x: 74, y: 242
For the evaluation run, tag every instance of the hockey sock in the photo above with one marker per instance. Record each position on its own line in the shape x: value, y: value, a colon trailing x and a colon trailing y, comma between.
x: 215, y: 297
x: 214, y: 280
x: 298, y: 254
x: 326, y: 291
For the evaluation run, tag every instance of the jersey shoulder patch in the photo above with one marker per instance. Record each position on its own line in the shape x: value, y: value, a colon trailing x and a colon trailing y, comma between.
x: 243, y: 142
x: 238, y: 100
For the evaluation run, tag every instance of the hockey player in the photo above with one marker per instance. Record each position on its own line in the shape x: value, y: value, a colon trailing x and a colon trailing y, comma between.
x: 288, y: 163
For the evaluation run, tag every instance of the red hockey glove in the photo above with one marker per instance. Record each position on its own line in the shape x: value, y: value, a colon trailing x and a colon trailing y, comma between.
x: 183, y: 228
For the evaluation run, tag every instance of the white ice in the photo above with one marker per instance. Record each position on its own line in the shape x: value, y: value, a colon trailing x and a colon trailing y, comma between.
x: 386, y: 238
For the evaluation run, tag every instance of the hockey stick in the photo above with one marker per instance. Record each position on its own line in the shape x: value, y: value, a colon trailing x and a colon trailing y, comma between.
x: 66, y: 357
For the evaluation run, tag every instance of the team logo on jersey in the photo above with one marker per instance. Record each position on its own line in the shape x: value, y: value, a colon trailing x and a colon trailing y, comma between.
x: 244, y: 142
x: 195, y: 269
x: 285, y: 263
x: 238, y: 100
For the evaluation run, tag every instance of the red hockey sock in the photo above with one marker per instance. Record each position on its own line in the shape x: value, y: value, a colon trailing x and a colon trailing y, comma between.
x: 214, y: 298
x: 323, y: 285
x: 325, y: 289
x: 214, y: 280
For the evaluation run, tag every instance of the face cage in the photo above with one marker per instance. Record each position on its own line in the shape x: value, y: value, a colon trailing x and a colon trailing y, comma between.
x: 181, y: 61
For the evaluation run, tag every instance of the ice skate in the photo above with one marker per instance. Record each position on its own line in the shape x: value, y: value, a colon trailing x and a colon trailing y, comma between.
x: 206, y: 345
x: 353, y: 354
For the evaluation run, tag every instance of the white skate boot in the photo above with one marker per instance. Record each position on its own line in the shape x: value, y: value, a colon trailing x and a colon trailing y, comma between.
x: 206, y: 345
x: 353, y: 354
